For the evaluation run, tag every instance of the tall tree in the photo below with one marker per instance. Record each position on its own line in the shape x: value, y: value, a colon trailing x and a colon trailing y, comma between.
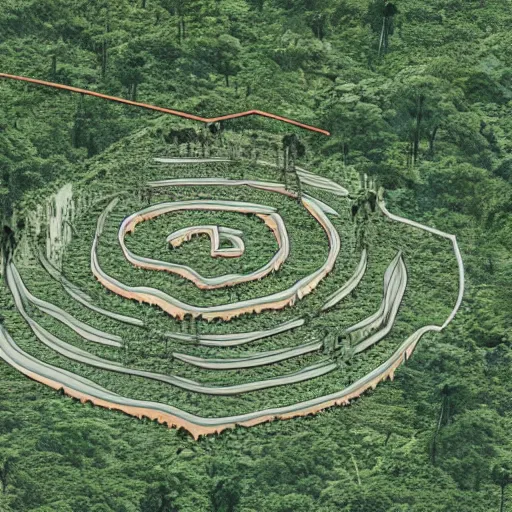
x: 502, y: 476
x: 380, y: 16
x: 225, y: 495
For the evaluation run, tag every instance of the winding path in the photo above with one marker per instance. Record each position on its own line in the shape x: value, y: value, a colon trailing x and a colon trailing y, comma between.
x: 365, y: 333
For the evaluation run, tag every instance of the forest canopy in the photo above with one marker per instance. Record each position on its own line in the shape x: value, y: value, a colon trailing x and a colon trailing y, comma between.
x: 417, y: 97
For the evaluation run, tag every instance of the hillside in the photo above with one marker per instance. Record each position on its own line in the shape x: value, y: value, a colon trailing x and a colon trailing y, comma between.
x: 416, y: 99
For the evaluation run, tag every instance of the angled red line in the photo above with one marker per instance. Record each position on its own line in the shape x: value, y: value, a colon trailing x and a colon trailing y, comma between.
x: 165, y: 110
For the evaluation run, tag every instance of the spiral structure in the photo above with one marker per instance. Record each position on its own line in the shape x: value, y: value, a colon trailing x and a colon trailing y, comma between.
x: 291, y: 326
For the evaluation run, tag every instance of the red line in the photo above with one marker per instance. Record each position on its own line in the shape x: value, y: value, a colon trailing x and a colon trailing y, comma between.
x: 165, y: 110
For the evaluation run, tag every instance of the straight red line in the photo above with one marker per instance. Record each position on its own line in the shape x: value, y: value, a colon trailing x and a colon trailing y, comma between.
x: 165, y: 110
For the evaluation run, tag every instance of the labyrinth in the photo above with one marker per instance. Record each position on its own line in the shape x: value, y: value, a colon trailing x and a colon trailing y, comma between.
x: 206, y: 291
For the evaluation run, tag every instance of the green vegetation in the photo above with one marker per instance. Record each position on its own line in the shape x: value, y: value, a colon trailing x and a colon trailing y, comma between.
x: 418, y: 100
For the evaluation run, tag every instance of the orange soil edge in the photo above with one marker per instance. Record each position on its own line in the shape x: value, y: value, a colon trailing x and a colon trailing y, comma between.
x: 178, y: 312
x: 267, y: 219
x: 165, y: 110
x: 196, y: 430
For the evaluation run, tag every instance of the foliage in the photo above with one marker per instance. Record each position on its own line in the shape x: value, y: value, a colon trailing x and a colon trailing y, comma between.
x: 418, y: 97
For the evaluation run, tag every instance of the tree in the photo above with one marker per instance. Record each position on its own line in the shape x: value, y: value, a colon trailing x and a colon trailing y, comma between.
x: 422, y: 104
x: 444, y: 416
x: 361, y: 135
x: 130, y: 66
x: 447, y: 179
x: 7, y: 467
x: 225, y: 495
x: 160, y: 497
x: 295, y: 51
x: 17, y: 167
x: 380, y: 16
x: 104, y: 43
x: 292, y: 149
x: 502, y: 476
x: 178, y: 8
x: 258, y: 4
x: 469, y: 446
x: 227, y: 51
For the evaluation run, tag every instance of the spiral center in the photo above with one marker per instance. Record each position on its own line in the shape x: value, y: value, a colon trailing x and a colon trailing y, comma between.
x: 217, y: 235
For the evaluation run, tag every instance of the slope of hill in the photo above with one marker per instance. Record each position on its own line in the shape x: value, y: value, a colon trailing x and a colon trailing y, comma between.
x: 417, y: 99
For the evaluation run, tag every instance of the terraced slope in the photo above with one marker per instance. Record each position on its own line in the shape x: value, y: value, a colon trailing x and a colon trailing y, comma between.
x: 207, y: 292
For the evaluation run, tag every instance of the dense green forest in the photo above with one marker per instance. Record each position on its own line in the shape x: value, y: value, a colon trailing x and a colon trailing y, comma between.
x: 418, y: 97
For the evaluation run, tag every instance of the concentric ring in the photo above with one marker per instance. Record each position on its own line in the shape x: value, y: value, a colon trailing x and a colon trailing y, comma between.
x: 180, y: 309
x: 220, y: 362
x: 269, y: 216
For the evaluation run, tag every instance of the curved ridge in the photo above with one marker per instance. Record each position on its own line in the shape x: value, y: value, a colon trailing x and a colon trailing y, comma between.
x: 81, y: 297
x: 179, y: 309
x: 85, y: 390
x: 232, y: 340
x: 250, y: 360
x: 272, y: 219
x: 81, y: 328
x: 73, y: 353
